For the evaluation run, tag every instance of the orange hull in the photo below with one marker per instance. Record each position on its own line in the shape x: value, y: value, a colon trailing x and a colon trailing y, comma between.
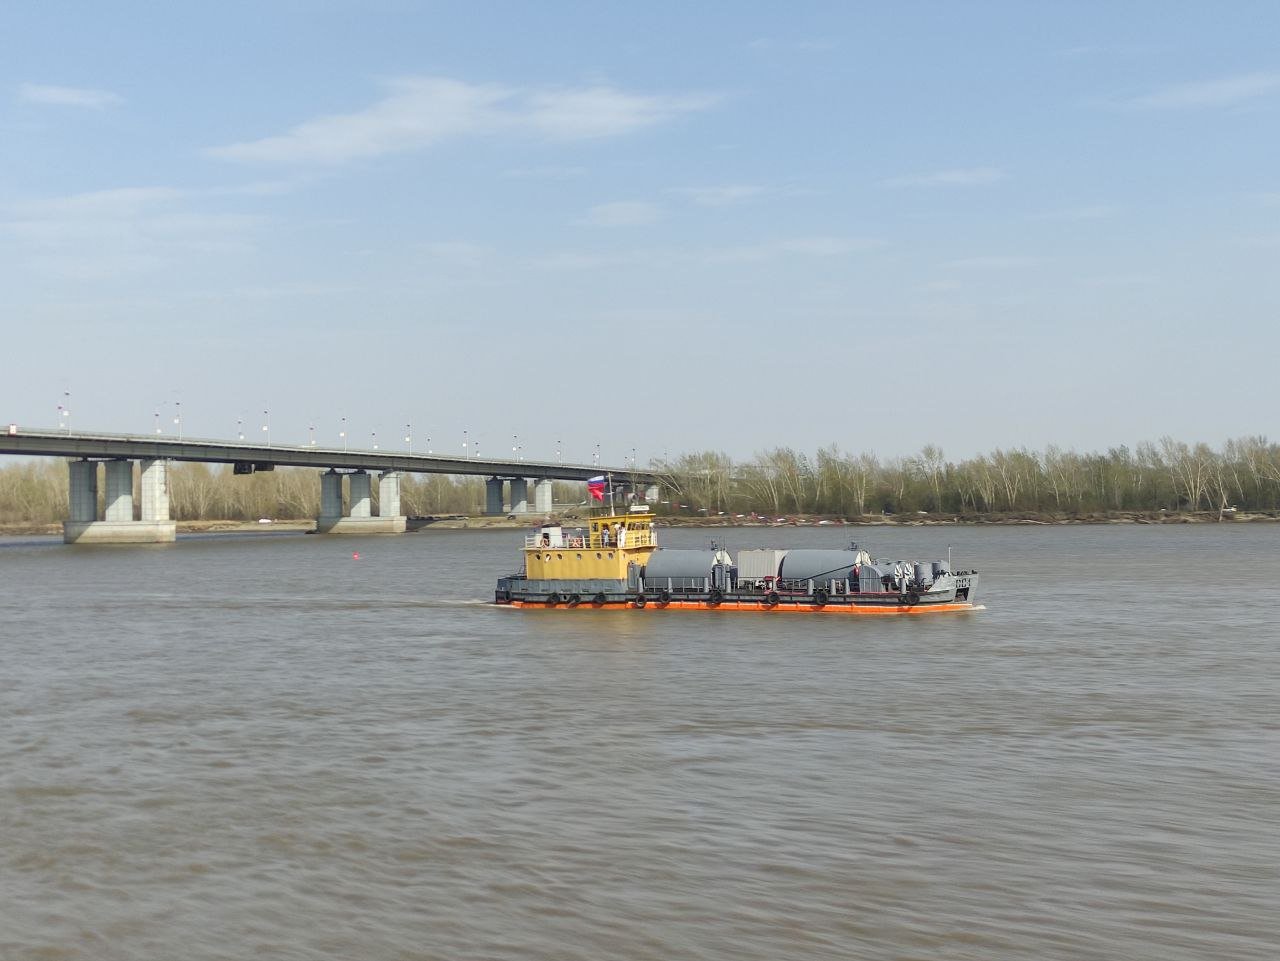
x: 756, y: 606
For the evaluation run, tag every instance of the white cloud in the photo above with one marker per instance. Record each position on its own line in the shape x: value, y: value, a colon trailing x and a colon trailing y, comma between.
x: 108, y: 233
x: 1108, y: 281
x: 119, y: 202
x: 662, y: 258
x: 724, y: 196
x: 1078, y: 214
x: 458, y: 251
x: 67, y: 96
x: 550, y: 172
x: 602, y: 111
x: 622, y: 213
x: 1223, y: 92
x: 587, y: 260
x: 421, y: 111
x: 794, y: 247
x: 1012, y: 262
x: 959, y: 177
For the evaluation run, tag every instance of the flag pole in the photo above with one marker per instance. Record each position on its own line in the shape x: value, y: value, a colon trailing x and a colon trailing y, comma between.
x: 609, y: 480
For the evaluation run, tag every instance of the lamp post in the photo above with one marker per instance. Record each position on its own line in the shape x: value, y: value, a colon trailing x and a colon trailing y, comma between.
x: 515, y: 448
x: 558, y: 460
x: 240, y: 428
x: 373, y: 434
x: 64, y: 411
x: 312, y: 429
x: 266, y: 427
x: 596, y: 461
x: 428, y: 444
x: 157, y: 422
x: 177, y: 417
x: 408, y: 437
x: 342, y: 434
x: 465, y: 449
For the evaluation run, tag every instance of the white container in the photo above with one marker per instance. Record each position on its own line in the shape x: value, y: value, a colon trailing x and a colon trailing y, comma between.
x: 754, y: 565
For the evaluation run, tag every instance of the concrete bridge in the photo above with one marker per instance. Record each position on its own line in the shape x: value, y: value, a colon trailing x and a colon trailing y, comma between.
x: 507, y: 481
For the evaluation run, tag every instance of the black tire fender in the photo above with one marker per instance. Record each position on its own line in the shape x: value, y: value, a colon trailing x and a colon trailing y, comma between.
x: 640, y: 600
x: 716, y: 597
x: 820, y: 597
x: 553, y: 599
x: 664, y: 597
x: 574, y: 600
x: 599, y: 599
x: 771, y: 599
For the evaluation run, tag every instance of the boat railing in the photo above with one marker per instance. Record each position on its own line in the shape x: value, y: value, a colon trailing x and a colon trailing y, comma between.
x: 595, y: 542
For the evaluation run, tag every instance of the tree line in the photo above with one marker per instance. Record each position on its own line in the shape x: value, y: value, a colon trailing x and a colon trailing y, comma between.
x: 1165, y: 475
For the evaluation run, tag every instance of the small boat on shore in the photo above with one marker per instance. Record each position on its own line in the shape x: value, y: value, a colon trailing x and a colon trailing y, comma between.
x: 616, y: 563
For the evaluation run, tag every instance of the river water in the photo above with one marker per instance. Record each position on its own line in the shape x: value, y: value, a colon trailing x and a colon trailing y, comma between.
x: 264, y: 746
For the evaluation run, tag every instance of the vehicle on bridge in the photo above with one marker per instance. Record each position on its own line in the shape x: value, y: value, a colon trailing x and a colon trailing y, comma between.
x: 616, y: 563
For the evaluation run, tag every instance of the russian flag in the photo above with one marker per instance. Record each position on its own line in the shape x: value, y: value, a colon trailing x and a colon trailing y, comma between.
x: 595, y: 487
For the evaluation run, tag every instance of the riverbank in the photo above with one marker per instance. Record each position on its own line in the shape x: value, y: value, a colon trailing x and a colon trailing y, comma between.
x: 457, y: 522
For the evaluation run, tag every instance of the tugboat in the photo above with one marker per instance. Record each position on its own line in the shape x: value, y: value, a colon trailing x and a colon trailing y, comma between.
x: 616, y: 563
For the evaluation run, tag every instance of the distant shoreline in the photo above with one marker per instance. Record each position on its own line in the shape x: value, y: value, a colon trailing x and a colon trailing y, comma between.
x: 455, y: 522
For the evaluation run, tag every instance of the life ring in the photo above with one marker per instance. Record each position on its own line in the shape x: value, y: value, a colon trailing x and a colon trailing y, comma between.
x: 664, y: 597
x: 771, y: 599
x: 715, y: 597
x: 599, y: 599
x: 640, y: 600
x: 820, y: 597
x: 575, y: 600
x: 553, y: 599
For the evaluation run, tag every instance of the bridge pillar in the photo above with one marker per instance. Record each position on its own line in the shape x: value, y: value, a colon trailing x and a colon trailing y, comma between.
x: 389, y: 512
x: 119, y: 507
x: 493, y: 496
x: 519, y: 495
x: 389, y: 494
x: 542, y: 495
x: 154, y: 487
x: 118, y: 526
x: 360, y: 520
x: 361, y: 495
x: 84, y: 492
x: 330, y: 499
x: 652, y: 494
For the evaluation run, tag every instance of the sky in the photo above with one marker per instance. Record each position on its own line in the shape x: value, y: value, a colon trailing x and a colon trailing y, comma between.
x: 657, y: 228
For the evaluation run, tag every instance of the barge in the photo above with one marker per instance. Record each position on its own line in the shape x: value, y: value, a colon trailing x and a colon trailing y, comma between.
x: 616, y: 563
